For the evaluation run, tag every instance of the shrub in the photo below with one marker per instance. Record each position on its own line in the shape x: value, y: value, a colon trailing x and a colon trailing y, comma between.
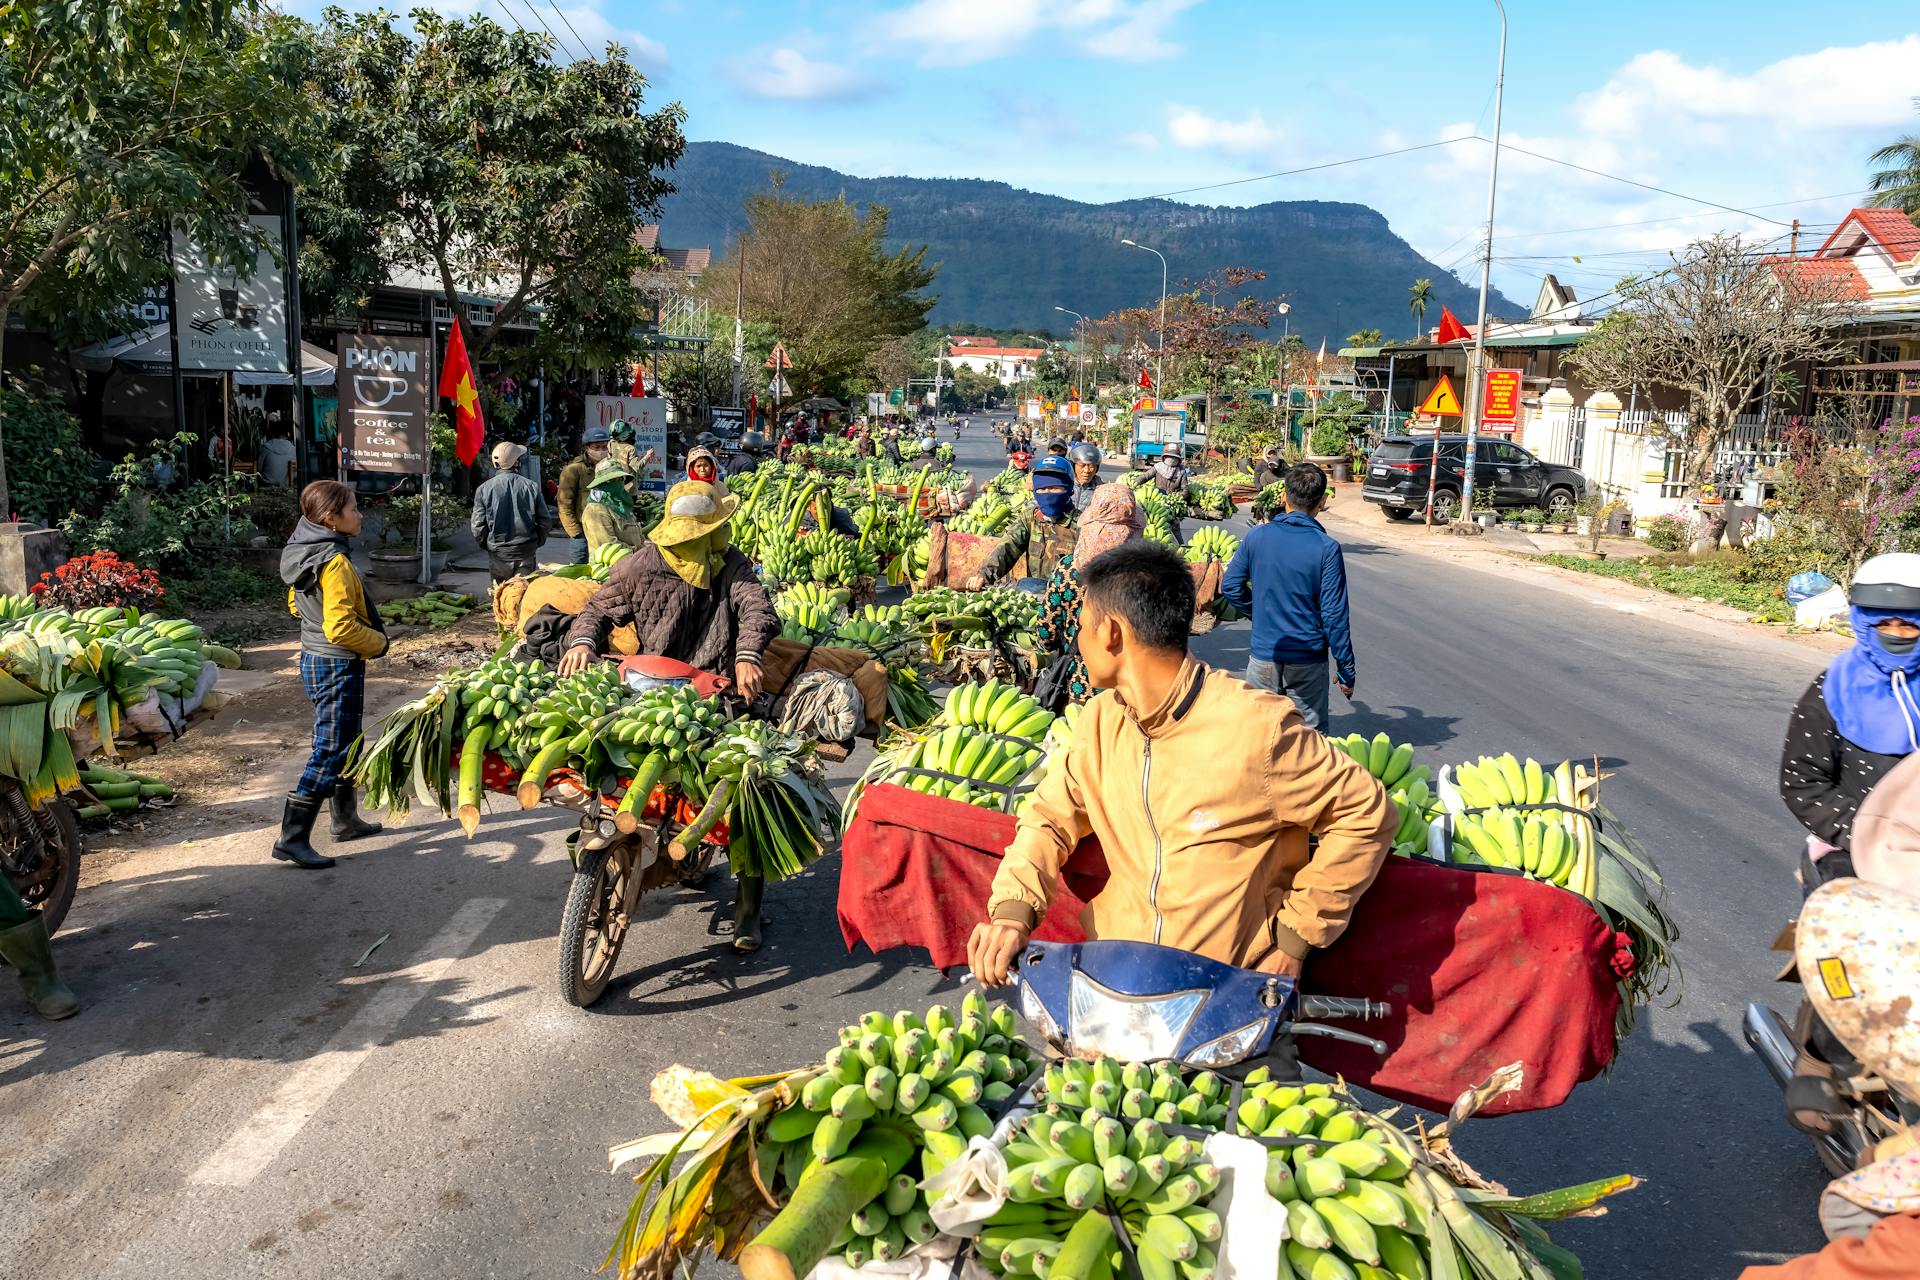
x: 1532, y: 515
x: 50, y: 470
x: 224, y: 587
x: 168, y: 528
x: 1667, y: 533
x: 99, y: 578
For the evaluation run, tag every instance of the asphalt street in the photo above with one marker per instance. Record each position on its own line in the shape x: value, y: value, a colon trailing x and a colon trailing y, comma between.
x: 238, y: 1099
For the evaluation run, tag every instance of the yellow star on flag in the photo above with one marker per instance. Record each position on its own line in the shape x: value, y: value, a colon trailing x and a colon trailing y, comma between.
x: 465, y: 396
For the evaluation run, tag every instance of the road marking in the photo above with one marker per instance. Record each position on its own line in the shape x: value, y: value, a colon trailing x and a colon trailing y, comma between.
x: 267, y: 1132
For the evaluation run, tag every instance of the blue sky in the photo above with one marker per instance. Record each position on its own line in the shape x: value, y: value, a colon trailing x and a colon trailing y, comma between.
x: 1770, y: 108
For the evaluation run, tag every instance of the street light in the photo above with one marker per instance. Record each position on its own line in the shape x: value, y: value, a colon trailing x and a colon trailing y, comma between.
x: 1476, y: 367
x: 1160, y: 357
x: 1286, y: 361
x: 1079, y: 375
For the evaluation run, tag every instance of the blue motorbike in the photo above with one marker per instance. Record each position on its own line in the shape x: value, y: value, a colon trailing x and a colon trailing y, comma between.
x: 1144, y: 1003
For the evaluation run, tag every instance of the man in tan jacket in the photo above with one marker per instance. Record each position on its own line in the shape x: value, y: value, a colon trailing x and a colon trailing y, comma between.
x: 1202, y: 790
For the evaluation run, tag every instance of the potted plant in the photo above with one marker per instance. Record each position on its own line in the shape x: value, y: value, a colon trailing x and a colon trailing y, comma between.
x: 1586, y: 513
x: 1330, y: 427
x: 1595, y: 523
x: 1483, y: 512
x: 1532, y: 519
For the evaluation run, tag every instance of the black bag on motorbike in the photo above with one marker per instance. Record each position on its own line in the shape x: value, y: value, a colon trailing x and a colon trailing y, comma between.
x: 1051, y: 689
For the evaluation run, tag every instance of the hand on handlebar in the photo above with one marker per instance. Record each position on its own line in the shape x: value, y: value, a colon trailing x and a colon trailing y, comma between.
x: 746, y: 680
x: 575, y: 660
x: 994, y: 948
x: 1280, y: 964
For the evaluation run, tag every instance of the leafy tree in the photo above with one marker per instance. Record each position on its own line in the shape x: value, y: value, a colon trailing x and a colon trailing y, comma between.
x: 1364, y: 338
x: 116, y: 115
x: 1206, y: 337
x: 468, y: 154
x: 1419, y: 298
x: 819, y: 274
x: 1897, y: 185
x: 1715, y: 325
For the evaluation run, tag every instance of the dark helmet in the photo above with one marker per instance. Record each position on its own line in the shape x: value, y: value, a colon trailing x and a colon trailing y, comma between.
x: 594, y: 435
x: 753, y: 441
x: 621, y: 429
x: 1057, y: 446
x: 1086, y: 451
x: 706, y: 440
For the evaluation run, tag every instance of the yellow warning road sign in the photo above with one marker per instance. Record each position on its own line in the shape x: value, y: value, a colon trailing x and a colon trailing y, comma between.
x: 1441, y: 400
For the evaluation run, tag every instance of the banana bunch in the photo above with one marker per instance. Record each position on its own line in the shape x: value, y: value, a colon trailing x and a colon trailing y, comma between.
x: 802, y: 621
x: 1378, y: 755
x: 899, y: 1078
x: 936, y: 602
x: 172, y: 649
x: 1350, y: 1210
x: 1160, y: 530
x: 673, y: 720
x: 1085, y: 1153
x: 998, y: 707
x: 833, y: 559
x: 1008, y: 609
x: 829, y: 599
x: 875, y: 637
x: 433, y: 608
x: 104, y: 619
x: 749, y: 744
x: 1212, y: 544
x: 1556, y: 845
x: 604, y: 557
x: 504, y: 692
x: 987, y: 516
x: 1531, y: 842
x: 974, y: 757
x: 1210, y: 501
x: 786, y: 558
x: 13, y: 608
x: 1501, y: 780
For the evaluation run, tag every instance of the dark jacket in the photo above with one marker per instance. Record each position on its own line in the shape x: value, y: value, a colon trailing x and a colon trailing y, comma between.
x: 571, y: 499
x: 508, y: 512
x: 1823, y: 777
x: 325, y: 591
x: 731, y: 621
x: 1291, y: 579
x: 1042, y: 541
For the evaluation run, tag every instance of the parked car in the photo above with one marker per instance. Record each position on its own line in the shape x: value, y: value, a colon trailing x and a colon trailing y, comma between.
x: 1397, y: 477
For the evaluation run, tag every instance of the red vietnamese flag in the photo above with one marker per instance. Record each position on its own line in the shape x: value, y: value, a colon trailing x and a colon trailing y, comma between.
x: 639, y: 380
x: 1451, y: 330
x: 456, y: 384
x: 1145, y: 381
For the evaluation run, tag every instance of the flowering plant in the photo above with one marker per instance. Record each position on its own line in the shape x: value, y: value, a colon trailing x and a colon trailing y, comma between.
x: 99, y: 578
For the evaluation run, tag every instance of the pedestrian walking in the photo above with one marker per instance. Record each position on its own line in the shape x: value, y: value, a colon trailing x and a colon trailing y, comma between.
x: 339, y: 632
x: 509, y: 519
x: 576, y: 478
x: 1290, y: 577
x: 1111, y: 518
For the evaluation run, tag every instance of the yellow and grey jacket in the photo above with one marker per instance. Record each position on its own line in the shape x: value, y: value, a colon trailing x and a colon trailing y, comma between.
x: 324, y: 591
x: 1203, y: 806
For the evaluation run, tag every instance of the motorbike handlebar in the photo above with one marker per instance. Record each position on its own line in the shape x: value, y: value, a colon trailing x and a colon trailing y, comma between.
x: 1341, y: 1007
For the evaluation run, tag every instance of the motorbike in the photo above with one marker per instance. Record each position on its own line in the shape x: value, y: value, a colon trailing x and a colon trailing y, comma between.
x: 39, y: 852
x: 1142, y: 1002
x: 1846, y: 1112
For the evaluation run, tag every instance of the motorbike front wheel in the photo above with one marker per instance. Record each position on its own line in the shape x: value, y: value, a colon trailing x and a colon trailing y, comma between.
x: 40, y: 854
x: 594, y: 925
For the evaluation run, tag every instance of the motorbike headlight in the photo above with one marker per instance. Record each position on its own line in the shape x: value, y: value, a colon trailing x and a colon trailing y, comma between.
x: 1037, y: 1016
x: 1228, y: 1049
x: 1130, y: 1028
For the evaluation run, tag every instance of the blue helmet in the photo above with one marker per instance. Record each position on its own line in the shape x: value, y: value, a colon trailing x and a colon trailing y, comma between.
x: 595, y: 435
x: 1055, y: 466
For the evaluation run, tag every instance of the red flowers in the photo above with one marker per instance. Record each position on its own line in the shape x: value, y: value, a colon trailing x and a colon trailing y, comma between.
x: 100, y: 578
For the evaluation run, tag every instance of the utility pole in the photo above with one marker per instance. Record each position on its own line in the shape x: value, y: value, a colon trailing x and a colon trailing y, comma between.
x: 739, y: 319
x: 1476, y: 366
x: 1159, y: 359
x: 1079, y: 372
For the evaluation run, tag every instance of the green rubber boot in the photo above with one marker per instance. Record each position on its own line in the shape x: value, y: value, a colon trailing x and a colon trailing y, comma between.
x: 28, y: 949
x: 746, y: 913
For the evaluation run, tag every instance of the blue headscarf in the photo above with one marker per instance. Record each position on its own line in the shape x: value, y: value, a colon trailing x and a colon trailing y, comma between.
x: 1870, y: 690
x: 1056, y: 473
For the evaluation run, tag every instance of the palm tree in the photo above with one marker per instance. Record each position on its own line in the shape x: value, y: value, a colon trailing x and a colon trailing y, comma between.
x: 1897, y: 186
x: 1421, y: 292
x: 1364, y: 338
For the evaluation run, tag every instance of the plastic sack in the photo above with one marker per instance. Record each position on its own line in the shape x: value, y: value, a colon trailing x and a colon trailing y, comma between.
x: 165, y: 715
x: 968, y: 1191
x: 930, y: 1261
x: 1252, y: 1227
x: 1814, y: 611
x: 1805, y: 586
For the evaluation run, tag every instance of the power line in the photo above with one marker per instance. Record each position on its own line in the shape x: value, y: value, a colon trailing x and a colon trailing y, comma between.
x: 1644, y: 186
x: 1680, y: 217
x: 1312, y: 168
x: 586, y: 51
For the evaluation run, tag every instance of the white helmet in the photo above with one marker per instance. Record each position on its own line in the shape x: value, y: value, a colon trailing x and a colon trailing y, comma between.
x: 1890, y: 581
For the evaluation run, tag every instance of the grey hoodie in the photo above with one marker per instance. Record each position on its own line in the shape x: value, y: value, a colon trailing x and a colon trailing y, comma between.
x: 306, y: 554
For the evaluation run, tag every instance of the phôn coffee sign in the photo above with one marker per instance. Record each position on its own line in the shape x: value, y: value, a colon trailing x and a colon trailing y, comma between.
x: 383, y: 404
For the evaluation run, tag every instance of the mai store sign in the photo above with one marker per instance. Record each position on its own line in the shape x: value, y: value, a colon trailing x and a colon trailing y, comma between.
x: 384, y: 404
x: 647, y: 415
x: 227, y: 323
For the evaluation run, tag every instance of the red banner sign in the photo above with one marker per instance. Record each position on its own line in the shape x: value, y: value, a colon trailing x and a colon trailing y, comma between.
x: 1503, y: 396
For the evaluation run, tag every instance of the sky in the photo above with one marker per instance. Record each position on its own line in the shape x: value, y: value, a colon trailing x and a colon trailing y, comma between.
x: 1769, y: 109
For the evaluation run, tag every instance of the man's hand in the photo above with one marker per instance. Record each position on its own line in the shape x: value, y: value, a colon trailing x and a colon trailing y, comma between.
x: 575, y: 660
x: 1347, y: 689
x: 746, y: 679
x: 1279, y: 963
x: 993, y: 949
x: 975, y: 583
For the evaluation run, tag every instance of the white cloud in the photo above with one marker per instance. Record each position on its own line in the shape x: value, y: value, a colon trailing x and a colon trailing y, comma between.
x: 963, y: 32
x: 1141, y: 140
x: 1251, y: 135
x: 788, y: 75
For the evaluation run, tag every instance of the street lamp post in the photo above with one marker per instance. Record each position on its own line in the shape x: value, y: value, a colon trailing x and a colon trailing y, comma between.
x: 1079, y: 372
x: 1477, y: 365
x: 1286, y: 365
x: 1159, y: 359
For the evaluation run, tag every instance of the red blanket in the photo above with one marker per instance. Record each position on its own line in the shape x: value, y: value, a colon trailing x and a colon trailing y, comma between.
x: 1443, y: 945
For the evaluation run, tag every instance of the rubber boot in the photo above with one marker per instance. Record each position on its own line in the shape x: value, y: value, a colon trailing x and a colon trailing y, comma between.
x: 746, y: 913
x: 347, y: 822
x: 27, y: 948
x: 295, y: 844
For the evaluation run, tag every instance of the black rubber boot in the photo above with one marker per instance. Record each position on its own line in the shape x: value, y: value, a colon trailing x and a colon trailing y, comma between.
x: 295, y: 844
x: 746, y: 913
x: 347, y: 822
x: 27, y: 948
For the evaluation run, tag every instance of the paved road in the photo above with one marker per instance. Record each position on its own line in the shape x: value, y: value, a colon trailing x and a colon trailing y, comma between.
x: 238, y: 1099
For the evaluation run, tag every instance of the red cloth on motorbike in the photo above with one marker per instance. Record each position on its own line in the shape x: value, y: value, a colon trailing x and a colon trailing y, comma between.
x: 705, y: 683
x: 1482, y: 969
x: 915, y: 871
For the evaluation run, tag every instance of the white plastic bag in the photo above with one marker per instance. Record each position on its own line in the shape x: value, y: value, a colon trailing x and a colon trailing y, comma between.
x: 165, y: 715
x: 1252, y: 1225
x: 1815, y: 610
x: 930, y: 1261
x: 967, y: 1192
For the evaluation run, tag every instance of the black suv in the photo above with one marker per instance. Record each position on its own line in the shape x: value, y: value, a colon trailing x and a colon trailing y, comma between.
x: 1397, y: 477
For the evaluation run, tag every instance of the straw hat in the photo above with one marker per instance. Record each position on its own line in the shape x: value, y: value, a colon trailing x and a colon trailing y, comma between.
x: 694, y: 509
x: 608, y: 471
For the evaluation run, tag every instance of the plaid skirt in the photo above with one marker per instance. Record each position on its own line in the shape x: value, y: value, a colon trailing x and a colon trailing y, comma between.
x: 337, y: 687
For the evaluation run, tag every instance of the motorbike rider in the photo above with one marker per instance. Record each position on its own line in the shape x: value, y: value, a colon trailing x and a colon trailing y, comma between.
x: 1859, y: 717
x: 1857, y: 948
x: 1168, y: 742
x: 576, y: 478
x: 1085, y: 457
x: 1271, y: 469
x: 753, y: 444
x: 1044, y: 534
x: 694, y: 598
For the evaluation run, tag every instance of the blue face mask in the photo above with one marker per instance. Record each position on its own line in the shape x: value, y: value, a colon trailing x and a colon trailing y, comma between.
x: 1871, y: 689
x: 1053, y: 503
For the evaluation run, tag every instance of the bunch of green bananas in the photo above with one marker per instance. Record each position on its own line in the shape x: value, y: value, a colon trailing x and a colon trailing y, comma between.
x: 998, y: 707
x: 786, y: 558
x: 604, y: 557
x: 752, y: 744
x: 1529, y: 841
x: 875, y: 637
x: 1212, y: 543
x: 986, y: 765
x: 830, y: 599
x: 172, y: 649
x: 1497, y: 780
x: 504, y: 693
x: 13, y: 608
x: 803, y: 622
x: 833, y: 559
x: 432, y: 608
x: 1210, y: 501
x: 673, y: 720
x: 987, y: 516
x: 1379, y: 756
x: 1160, y: 530
x: 908, y: 1079
x: 937, y: 602
x: 1086, y: 1153
x: 1351, y: 1209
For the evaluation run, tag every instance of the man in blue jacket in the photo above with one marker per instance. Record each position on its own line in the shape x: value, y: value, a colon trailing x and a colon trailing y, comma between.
x: 1291, y: 579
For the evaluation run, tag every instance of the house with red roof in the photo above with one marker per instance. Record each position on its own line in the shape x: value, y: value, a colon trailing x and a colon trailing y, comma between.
x: 988, y: 355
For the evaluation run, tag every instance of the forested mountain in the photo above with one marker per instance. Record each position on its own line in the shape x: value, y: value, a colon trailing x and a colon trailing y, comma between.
x: 1009, y: 256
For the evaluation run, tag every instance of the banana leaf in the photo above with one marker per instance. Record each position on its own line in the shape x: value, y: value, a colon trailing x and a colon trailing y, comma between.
x: 24, y: 726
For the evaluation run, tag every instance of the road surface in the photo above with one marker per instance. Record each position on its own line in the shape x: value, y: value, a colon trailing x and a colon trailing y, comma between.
x: 238, y: 1099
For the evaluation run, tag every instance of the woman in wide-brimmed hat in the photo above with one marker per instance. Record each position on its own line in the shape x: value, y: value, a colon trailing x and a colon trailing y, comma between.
x: 694, y: 598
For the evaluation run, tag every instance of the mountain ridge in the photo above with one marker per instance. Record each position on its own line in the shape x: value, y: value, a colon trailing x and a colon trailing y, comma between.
x: 1008, y: 256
